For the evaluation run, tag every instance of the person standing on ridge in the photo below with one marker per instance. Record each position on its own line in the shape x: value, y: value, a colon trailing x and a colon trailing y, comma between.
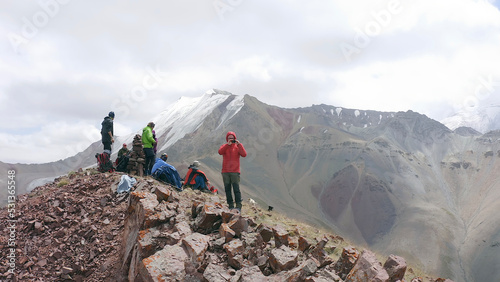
x: 107, y: 132
x: 148, y: 141
x: 231, y: 153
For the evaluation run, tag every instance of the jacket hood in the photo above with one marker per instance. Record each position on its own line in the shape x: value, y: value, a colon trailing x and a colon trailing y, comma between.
x: 230, y: 133
x: 106, y: 120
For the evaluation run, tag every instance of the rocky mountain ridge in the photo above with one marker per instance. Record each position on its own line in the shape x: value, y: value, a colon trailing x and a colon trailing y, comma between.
x: 79, y: 229
x: 387, y: 180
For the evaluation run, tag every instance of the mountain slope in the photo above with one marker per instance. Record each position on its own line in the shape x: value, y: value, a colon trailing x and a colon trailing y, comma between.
x: 399, y: 182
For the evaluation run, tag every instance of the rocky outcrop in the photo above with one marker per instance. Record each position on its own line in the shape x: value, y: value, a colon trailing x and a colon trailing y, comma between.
x: 197, y: 238
x: 78, y: 228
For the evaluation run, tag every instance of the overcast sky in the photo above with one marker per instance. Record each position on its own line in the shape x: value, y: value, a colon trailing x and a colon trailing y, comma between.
x: 64, y: 64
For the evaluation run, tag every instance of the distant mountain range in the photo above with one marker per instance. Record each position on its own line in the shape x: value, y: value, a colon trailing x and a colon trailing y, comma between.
x: 483, y: 119
x: 399, y: 182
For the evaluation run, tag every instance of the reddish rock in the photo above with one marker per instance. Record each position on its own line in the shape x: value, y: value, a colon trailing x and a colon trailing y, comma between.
x: 233, y: 248
x: 319, y: 254
x: 227, y: 216
x: 249, y: 274
x: 146, y: 242
x: 300, y: 272
x: 253, y: 240
x: 183, y: 228
x: 346, y: 261
x: 395, y: 267
x: 367, y: 269
x: 265, y: 231
x: 280, y: 236
x: 304, y: 244
x: 283, y: 258
x: 238, y: 224
x: 162, y: 193
x: 226, y: 232
x: 216, y: 273
x: 165, y: 265
x: 324, y: 276
x: 210, y: 214
x: 196, y: 245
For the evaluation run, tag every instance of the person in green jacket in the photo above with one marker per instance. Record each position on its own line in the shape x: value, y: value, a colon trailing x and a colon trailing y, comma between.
x: 147, y: 142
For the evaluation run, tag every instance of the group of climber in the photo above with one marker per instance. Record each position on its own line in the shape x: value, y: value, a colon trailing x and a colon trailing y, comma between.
x: 231, y: 151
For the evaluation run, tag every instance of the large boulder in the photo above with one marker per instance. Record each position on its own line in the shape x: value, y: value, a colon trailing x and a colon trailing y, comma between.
x: 234, y: 250
x: 283, y: 258
x: 265, y: 231
x: 346, y: 261
x: 280, y: 236
x: 196, y: 245
x: 209, y: 218
x: 395, y: 267
x: 165, y: 265
x: 367, y: 269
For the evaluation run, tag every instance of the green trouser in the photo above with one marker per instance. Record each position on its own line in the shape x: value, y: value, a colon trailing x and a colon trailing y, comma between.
x: 232, y: 180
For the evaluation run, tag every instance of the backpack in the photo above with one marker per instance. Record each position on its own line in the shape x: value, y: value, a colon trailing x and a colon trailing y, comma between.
x: 104, y: 163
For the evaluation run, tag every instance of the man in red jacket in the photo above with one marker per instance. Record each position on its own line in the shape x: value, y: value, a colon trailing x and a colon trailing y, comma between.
x: 231, y: 152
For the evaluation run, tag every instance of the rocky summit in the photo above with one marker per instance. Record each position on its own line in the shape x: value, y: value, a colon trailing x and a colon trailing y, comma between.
x: 78, y: 228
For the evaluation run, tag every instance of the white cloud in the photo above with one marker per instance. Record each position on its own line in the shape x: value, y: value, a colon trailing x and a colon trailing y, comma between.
x: 92, y: 57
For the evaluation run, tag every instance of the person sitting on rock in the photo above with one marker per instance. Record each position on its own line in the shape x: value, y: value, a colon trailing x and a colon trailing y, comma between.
x: 122, y: 159
x: 196, y: 179
x: 166, y: 172
x: 123, y: 151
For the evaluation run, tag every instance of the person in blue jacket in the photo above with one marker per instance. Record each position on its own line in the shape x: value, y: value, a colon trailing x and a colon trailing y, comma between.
x: 166, y: 172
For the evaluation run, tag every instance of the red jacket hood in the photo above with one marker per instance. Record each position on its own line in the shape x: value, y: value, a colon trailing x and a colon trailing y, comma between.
x: 230, y: 133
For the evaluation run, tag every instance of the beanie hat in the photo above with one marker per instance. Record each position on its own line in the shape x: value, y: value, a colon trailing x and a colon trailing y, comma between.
x: 164, y: 156
x: 111, y: 114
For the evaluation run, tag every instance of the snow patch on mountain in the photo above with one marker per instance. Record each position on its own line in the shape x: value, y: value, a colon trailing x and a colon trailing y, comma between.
x: 338, y: 110
x: 188, y: 114
x: 232, y: 109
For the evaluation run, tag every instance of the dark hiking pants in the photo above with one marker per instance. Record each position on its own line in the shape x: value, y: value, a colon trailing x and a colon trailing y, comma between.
x: 232, y: 184
x: 149, y: 160
x: 107, y: 146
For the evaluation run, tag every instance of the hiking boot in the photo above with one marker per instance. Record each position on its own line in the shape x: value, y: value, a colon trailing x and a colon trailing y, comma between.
x: 231, y: 206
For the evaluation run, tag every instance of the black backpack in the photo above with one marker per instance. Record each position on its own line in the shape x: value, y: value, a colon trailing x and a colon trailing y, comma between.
x: 104, y: 163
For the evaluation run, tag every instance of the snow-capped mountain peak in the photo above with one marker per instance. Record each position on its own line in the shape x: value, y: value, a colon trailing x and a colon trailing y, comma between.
x: 188, y: 114
x: 483, y: 119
